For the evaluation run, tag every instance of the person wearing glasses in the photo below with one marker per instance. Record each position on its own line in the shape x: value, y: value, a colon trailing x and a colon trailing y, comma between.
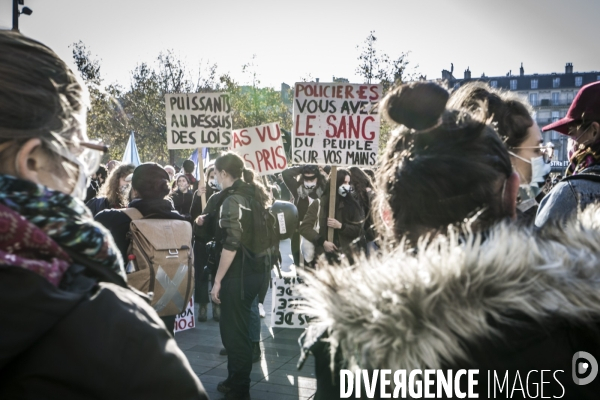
x: 511, y: 116
x: 461, y: 287
x: 581, y: 185
x: 71, y: 328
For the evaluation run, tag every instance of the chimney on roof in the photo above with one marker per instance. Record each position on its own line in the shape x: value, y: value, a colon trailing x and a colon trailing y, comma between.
x: 522, y: 70
x: 569, y: 68
x: 467, y: 74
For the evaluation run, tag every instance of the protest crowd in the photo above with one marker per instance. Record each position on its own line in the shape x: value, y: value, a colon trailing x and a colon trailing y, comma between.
x: 454, y: 248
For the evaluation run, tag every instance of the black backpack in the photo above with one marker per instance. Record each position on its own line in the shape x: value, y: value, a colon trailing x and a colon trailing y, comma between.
x: 261, y: 243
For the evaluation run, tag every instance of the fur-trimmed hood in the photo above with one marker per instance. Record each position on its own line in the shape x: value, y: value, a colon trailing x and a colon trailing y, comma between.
x: 408, y: 309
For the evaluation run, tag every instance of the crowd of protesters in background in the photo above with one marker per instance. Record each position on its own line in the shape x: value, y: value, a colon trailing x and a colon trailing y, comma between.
x: 464, y: 181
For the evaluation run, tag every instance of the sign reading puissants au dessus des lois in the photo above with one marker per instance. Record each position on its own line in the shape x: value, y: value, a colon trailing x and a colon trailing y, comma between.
x: 336, y: 124
x: 261, y: 147
x: 198, y: 120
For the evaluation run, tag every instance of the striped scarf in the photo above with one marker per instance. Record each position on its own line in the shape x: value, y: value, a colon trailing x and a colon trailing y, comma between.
x: 39, y: 227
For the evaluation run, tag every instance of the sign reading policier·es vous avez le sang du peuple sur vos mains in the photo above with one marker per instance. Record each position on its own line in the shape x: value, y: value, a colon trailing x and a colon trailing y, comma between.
x: 336, y: 124
x: 198, y: 120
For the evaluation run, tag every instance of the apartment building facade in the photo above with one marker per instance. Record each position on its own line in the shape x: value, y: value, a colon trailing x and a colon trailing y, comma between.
x: 550, y: 95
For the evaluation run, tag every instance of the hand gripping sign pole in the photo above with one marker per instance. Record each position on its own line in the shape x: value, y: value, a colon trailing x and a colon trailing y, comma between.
x: 332, y: 193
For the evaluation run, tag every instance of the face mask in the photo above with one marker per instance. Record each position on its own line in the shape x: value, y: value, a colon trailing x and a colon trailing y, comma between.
x: 213, y: 183
x: 310, y: 185
x: 345, y: 189
x: 80, y: 189
x: 218, y: 185
x: 539, y: 169
x: 84, y: 170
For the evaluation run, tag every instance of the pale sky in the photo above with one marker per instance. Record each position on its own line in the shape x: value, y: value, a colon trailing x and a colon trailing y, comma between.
x: 294, y: 40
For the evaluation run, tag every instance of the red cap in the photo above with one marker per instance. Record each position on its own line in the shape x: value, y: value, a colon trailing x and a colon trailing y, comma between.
x: 586, y: 105
x: 131, y: 257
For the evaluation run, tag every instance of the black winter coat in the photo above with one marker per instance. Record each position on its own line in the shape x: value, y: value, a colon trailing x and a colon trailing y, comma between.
x: 87, y: 339
x: 182, y: 202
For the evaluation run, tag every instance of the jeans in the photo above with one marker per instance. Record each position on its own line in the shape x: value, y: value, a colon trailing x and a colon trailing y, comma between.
x: 236, y: 316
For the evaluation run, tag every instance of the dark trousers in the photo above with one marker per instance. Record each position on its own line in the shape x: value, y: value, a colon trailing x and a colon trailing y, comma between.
x: 170, y: 323
x: 202, y: 273
x: 296, y: 248
x: 235, y: 326
x: 262, y: 293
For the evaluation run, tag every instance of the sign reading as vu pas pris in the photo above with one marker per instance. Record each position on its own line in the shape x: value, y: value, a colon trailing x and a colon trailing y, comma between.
x: 198, y: 120
x: 261, y: 147
x: 336, y: 124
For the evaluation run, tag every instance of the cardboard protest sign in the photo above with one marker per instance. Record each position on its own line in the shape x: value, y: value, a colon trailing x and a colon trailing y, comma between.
x: 336, y: 124
x: 186, y: 320
x: 261, y: 147
x: 198, y: 120
x: 284, y: 298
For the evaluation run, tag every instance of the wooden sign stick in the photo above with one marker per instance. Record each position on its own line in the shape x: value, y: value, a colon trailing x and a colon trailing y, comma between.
x: 332, y: 194
x: 201, y: 174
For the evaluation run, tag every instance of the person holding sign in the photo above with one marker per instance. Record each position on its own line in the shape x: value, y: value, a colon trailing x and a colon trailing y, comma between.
x: 305, y: 184
x: 348, y: 223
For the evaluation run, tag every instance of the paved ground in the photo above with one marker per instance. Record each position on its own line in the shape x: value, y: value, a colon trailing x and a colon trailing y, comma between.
x: 275, y: 377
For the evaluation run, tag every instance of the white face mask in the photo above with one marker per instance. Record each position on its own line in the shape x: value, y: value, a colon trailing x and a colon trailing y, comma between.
x: 539, y: 169
x: 84, y: 170
x: 345, y: 189
x: 213, y: 183
x: 310, y: 185
x: 218, y: 184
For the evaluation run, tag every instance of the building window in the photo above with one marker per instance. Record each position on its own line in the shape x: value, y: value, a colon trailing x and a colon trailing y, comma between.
x: 569, y: 97
x: 513, y: 84
x: 555, y: 116
x: 554, y: 100
x: 555, y: 82
x: 533, y: 99
x: 578, y: 81
x: 495, y: 83
x: 598, y: 78
x: 534, y: 83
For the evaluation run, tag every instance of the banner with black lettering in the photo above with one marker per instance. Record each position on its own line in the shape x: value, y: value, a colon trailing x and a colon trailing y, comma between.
x: 198, y: 120
x: 284, y: 302
x: 336, y: 124
x: 261, y: 147
x: 186, y: 320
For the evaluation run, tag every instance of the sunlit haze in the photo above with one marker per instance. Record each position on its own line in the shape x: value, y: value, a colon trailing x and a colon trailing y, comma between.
x: 318, y: 39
